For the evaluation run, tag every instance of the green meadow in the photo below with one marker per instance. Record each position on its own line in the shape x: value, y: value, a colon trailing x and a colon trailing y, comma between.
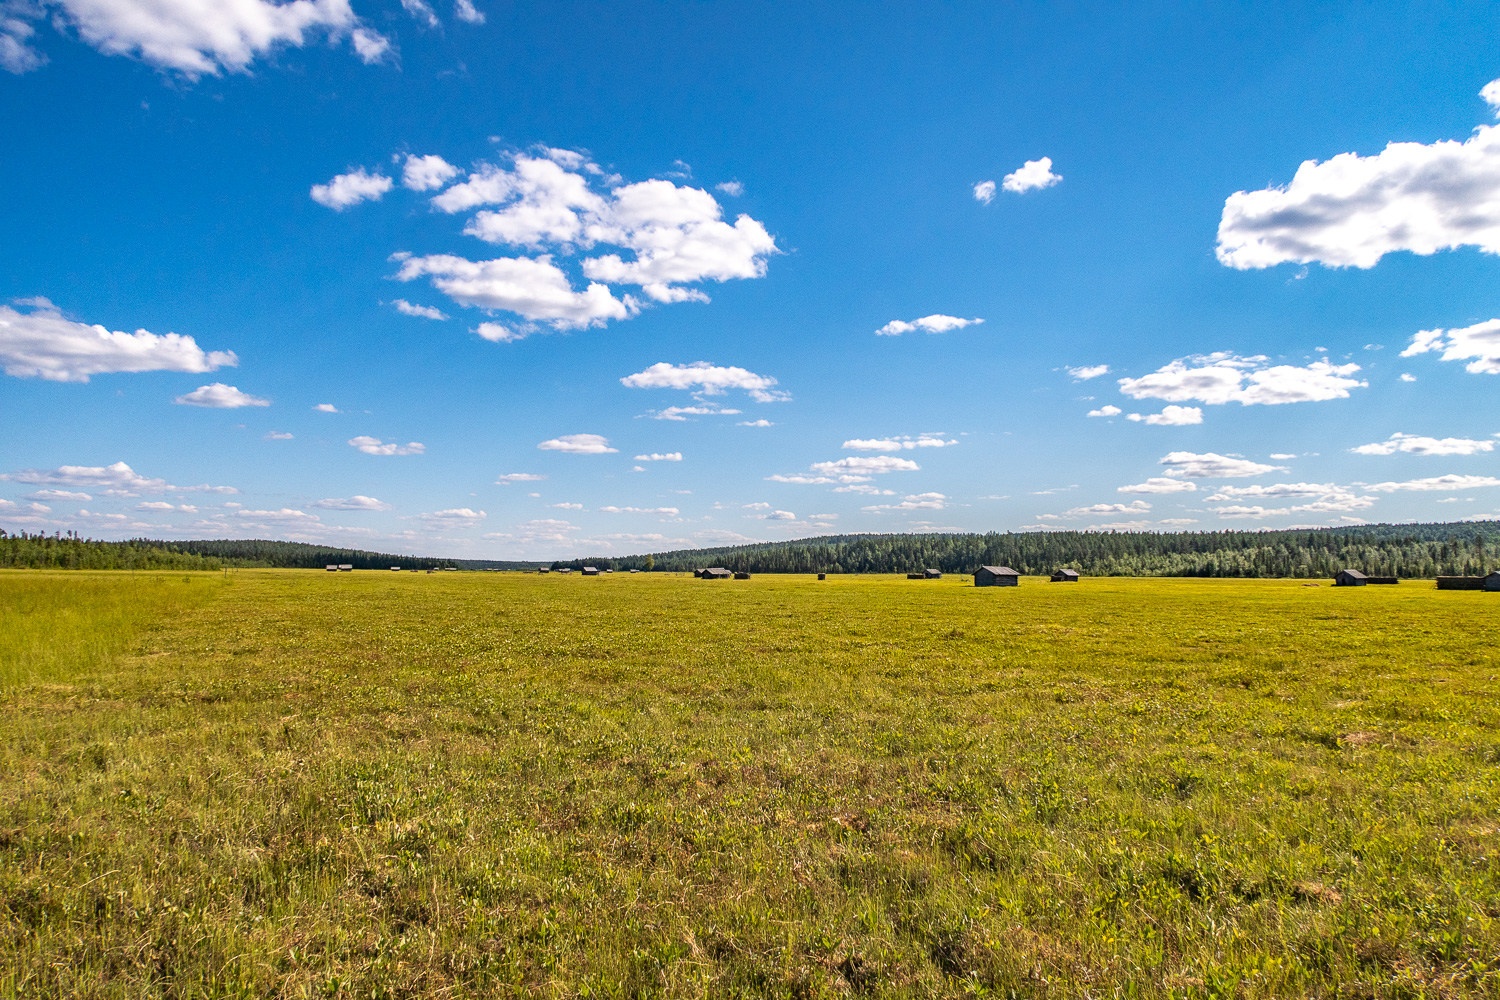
x: 301, y: 784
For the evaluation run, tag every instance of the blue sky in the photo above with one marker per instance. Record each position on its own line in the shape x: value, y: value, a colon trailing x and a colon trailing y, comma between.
x: 592, y: 279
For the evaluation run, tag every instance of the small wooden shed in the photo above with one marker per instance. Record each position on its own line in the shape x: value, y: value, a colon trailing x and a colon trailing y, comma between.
x: 822, y: 576
x: 1389, y: 580
x: 932, y: 574
x: 1492, y: 582
x: 1065, y: 576
x: 742, y: 575
x: 590, y: 571
x: 1350, y: 578
x: 717, y: 573
x: 996, y: 576
x: 332, y: 567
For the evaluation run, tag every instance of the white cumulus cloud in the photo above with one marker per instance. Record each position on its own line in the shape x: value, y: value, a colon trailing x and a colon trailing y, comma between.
x: 326, y: 408
x: 916, y: 501
x: 667, y: 511
x: 861, y: 465
x: 936, y: 323
x: 579, y: 444
x: 58, y: 495
x: 1170, y: 416
x: 518, y: 477
x: 1417, y: 445
x: 44, y: 344
x: 681, y: 413
x: 1159, y: 485
x: 1032, y: 176
x: 533, y: 288
x: 426, y: 312
x: 904, y: 442
x: 1446, y: 484
x: 705, y: 378
x: 1211, y: 465
x: 1352, y: 210
x: 1228, y: 378
x: 1107, y: 410
x: 374, y: 446
x: 984, y: 192
x: 188, y: 36
x: 1085, y: 372
x: 1480, y: 342
x: 465, y: 11
x: 655, y: 456
x: 113, y: 480
x: 355, y: 502
x: 426, y: 173
x: 219, y: 396
x: 455, y: 517
x: 351, y: 189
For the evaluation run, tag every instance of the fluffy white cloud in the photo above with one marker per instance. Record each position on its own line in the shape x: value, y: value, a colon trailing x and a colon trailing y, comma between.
x: 1417, y: 445
x: 279, y: 436
x: 668, y: 511
x: 1107, y: 410
x: 579, y: 444
x: 936, y: 323
x: 916, y: 501
x: 373, y: 446
x: 518, y: 477
x: 1276, y: 491
x: 1481, y: 342
x: 1352, y: 210
x: 326, y: 408
x: 755, y: 423
x: 1034, y: 175
x: 732, y: 188
x: 455, y: 517
x: 984, y: 192
x: 56, y: 495
x: 1170, y: 416
x: 1104, y: 509
x: 355, y: 502
x: 426, y: 312
x: 1159, y: 485
x: 219, y: 396
x: 1446, y: 484
x: 113, y: 480
x: 285, y: 515
x: 351, y: 189
x: 465, y: 11
x: 188, y: 36
x: 860, y: 465
x: 668, y: 237
x: 802, y: 479
x: 44, y: 344
x: 655, y: 456
x: 1211, y: 465
x: 426, y: 173
x: 774, y: 515
x: 705, y: 379
x: 898, y: 443
x: 1086, y: 372
x: 1227, y: 378
x: 533, y: 288
x: 681, y: 413
x: 419, y: 10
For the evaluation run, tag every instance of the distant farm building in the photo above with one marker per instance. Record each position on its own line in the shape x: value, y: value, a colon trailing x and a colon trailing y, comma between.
x: 996, y: 576
x: 544, y: 569
x: 1065, y: 576
x: 1350, y: 578
x: 346, y: 568
x: 1382, y: 579
x: 822, y: 576
x: 933, y: 574
x: 590, y: 571
x: 916, y: 576
x: 1490, y: 582
x: 742, y: 576
x: 332, y: 567
x: 633, y: 571
x: 395, y: 569
x: 716, y: 573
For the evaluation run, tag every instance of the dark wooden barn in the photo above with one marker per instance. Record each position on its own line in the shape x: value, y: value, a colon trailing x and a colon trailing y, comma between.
x: 742, y: 576
x: 590, y: 571
x: 1065, y: 576
x: 1350, y: 578
x: 996, y: 576
x: 717, y: 573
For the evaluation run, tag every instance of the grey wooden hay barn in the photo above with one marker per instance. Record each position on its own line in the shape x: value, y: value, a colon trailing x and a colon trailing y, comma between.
x: 822, y: 576
x: 1490, y: 582
x: 717, y: 573
x: 1350, y: 578
x: 996, y: 576
x: 590, y: 571
x: 1389, y: 580
x: 933, y: 574
x: 1065, y: 576
x: 742, y: 575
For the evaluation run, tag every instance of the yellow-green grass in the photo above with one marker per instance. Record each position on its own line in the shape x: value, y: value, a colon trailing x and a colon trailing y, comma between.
x: 287, y: 783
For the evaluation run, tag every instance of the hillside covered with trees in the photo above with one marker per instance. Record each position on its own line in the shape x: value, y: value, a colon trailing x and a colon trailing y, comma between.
x: 1406, y: 550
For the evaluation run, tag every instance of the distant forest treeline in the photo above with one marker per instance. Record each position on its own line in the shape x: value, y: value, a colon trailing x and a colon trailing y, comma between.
x: 1405, y: 550
x: 26, y: 551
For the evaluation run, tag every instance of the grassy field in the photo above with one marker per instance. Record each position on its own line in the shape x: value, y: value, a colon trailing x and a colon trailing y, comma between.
x: 299, y: 784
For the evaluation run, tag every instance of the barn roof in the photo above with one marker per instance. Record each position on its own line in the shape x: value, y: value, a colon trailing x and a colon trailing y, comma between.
x: 1000, y: 570
x: 1354, y: 573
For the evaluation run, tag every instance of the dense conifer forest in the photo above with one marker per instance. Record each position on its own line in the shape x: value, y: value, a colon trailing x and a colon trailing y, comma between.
x: 1405, y: 550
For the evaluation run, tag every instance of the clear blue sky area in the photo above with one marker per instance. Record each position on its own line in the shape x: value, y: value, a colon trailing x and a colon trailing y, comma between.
x: 544, y: 280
